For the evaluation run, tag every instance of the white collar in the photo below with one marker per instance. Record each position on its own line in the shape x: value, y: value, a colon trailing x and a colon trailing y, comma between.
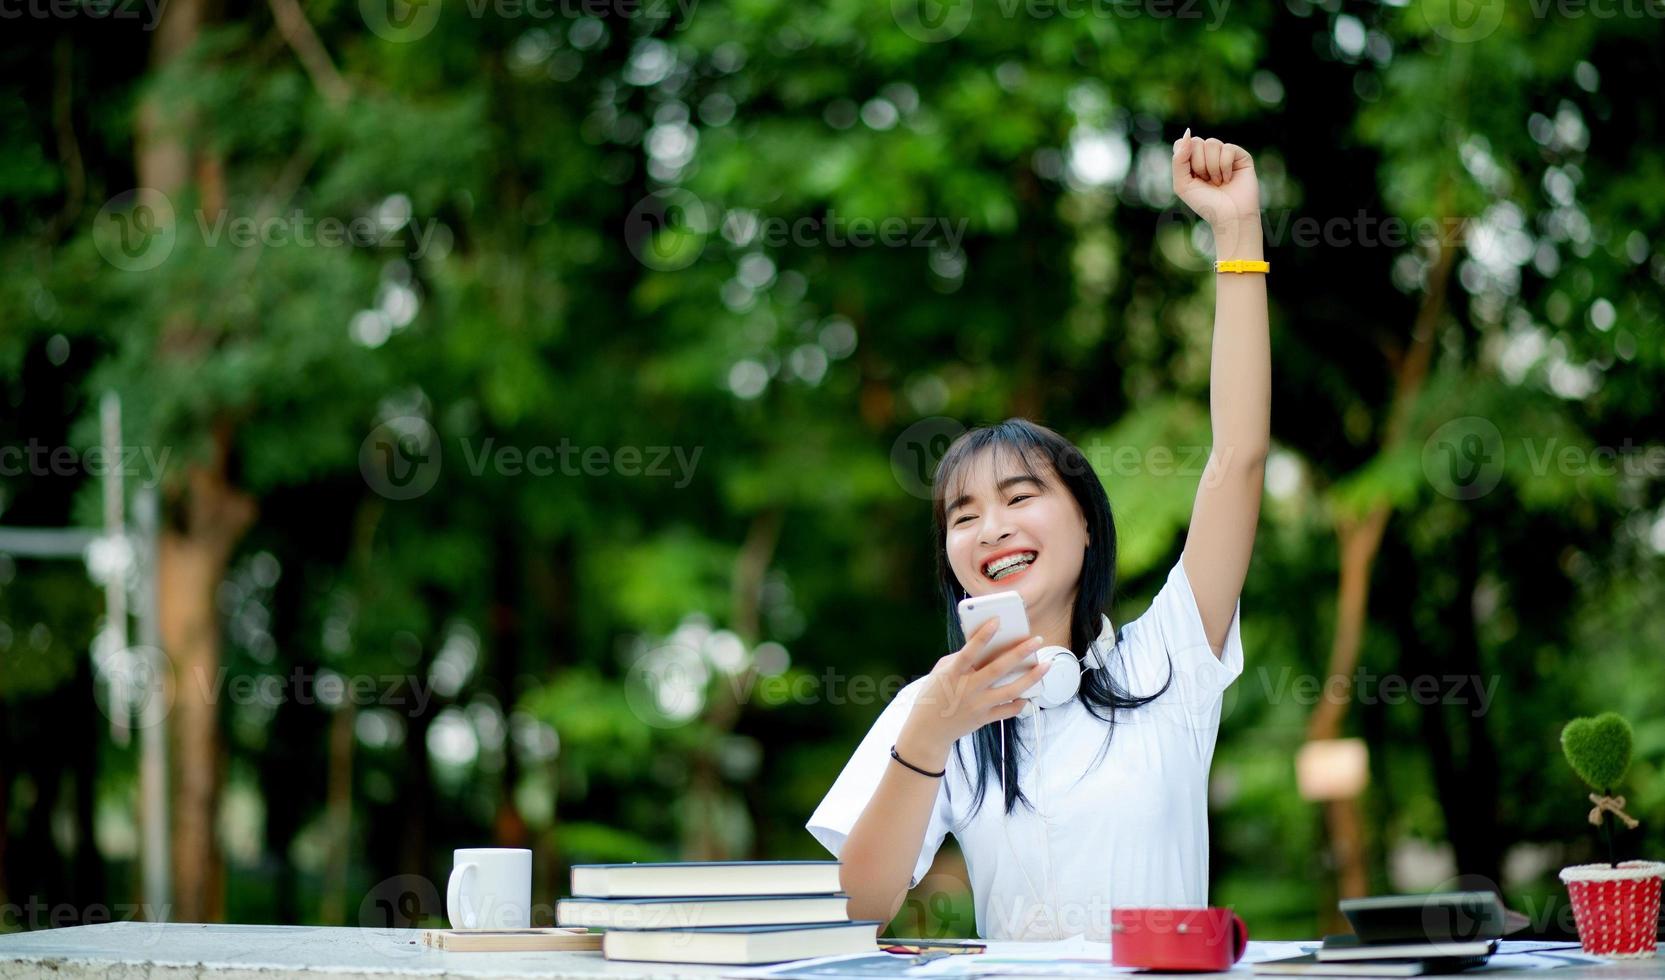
x: 1098, y: 653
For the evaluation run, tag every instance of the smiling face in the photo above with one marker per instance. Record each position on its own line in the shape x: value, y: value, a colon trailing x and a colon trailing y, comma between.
x: 1010, y: 529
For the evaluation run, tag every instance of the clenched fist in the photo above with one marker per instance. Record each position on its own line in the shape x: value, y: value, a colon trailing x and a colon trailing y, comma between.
x: 1217, y: 180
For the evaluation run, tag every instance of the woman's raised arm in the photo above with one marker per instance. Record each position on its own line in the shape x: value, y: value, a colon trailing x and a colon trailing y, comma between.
x: 1217, y: 180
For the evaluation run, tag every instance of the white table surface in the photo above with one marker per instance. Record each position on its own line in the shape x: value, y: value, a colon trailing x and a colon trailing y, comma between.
x: 174, y: 951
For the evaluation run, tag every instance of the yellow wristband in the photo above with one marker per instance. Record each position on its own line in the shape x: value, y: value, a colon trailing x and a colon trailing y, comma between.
x: 1242, y: 265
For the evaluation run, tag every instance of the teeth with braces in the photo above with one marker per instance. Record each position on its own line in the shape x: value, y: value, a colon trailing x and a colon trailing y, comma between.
x: 1021, y: 558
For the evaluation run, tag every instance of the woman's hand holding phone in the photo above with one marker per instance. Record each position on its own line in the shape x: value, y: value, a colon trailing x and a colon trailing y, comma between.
x: 962, y: 694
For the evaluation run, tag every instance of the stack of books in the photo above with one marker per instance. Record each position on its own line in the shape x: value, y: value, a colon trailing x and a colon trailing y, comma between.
x: 722, y: 912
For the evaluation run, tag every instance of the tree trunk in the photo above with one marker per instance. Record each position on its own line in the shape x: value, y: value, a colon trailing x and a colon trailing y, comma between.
x: 1360, y: 540
x: 207, y: 515
x: 338, y: 809
x: 192, y: 561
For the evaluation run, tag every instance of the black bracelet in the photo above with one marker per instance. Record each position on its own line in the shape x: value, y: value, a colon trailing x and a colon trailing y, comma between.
x: 922, y: 772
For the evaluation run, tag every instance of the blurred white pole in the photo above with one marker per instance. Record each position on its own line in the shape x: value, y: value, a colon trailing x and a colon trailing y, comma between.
x: 112, y: 557
x: 155, y: 859
x: 114, y: 640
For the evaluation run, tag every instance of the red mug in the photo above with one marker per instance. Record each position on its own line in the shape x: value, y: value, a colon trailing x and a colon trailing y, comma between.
x: 1207, y: 940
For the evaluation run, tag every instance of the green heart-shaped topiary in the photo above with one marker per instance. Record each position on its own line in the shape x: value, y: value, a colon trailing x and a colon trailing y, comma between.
x: 1598, y: 749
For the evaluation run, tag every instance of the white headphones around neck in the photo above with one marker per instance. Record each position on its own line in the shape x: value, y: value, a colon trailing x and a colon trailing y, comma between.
x: 1058, y: 686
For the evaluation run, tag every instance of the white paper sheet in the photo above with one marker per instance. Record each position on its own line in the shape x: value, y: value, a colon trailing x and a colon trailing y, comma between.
x: 1548, y: 960
x: 1275, y: 949
x: 1079, y: 957
x: 1076, y: 956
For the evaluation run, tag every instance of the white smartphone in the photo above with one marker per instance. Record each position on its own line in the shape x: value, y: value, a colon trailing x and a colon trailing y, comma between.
x: 1014, y: 624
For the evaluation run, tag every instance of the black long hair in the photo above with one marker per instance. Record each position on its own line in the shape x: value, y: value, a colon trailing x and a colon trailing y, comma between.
x: 1034, y: 449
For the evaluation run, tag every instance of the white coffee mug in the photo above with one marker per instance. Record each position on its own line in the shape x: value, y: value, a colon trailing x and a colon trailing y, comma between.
x: 490, y: 888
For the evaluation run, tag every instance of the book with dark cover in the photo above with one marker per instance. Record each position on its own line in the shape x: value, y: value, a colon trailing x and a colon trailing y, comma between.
x: 1348, y: 948
x: 1311, y: 965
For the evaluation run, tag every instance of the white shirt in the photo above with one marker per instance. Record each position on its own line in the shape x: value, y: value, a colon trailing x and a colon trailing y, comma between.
x: 1128, y: 829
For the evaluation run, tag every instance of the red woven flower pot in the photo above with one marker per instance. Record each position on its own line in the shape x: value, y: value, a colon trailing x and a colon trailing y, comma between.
x: 1616, y: 909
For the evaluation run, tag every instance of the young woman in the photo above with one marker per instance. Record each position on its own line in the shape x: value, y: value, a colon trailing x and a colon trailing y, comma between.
x: 1081, y: 822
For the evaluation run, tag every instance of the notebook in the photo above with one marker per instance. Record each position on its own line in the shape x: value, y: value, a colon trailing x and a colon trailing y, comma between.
x: 705, y: 879
x: 742, y: 945
x: 1439, y: 917
x: 1349, y: 948
x: 1311, y: 965
x: 723, y: 910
